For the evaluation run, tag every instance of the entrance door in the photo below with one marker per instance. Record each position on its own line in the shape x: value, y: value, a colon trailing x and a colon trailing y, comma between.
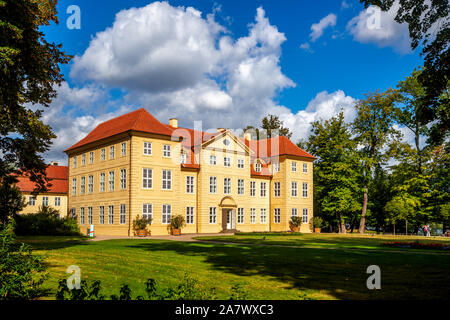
x: 229, y: 217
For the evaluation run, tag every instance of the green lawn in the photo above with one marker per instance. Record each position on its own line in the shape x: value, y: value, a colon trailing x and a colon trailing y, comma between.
x: 265, y: 272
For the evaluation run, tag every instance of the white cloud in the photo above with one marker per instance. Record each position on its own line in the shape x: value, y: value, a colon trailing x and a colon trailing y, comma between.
x: 317, y: 29
x: 345, y: 5
x: 379, y: 27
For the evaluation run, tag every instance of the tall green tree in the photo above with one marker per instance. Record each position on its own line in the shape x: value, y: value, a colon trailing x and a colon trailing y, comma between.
x: 272, y: 123
x: 429, y: 26
x: 336, y: 186
x: 29, y: 71
x: 373, y: 127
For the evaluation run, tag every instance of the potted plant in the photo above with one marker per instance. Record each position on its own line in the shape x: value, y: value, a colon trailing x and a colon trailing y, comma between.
x: 176, y: 223
x: 295, y: 224
x: 317, y: 223
x: 140, y: 226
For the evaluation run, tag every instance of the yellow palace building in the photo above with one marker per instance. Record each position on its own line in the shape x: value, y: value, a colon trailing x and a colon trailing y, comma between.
x: 135, y: 165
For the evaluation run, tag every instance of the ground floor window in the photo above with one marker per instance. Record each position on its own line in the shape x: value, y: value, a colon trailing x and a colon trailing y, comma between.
x: 45, y: 201
x: 89, y: 215
x: 57, y: 201
x: 240, y: 215
x: 110, y: 214
x: 263, y: 217
x: 305, y: 215
x: 123, y: 214
x: 147, y: 211
x: 166, y: 213
x: 32, y: 201
x: 101, y: 215
x: 74, y: 213
x: 212, y: 215
x: 294, y: 212
x: 252, y: 215
x: 189, y: 215
x: 81, y: 215
x: 277, y: 215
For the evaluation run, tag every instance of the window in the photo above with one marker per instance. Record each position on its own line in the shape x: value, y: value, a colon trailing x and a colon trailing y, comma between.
x: 294, y: 188
x: 147, y: 178
x: 103, y: 154
x: 212, y: 160
x: 227, y: 162
x: 123, y: 148
x: 263, y: 189
x: 183, y: 158
x: 305, y: 215
x: 226, y: 142
x: 240, y: 163
x: 294, y: 166
x: 212, y: 185
x: 147, y: 148
x: 31, y: 201
x: 101, y: 215
x: 81, y: 215
x: 305, y: 189
x: 258, y: 167
x: 263, y: 217
x: 110, y: 214
x: 276, y: 167
x: 111, y: 152
x: 227, y: 185
x: 189, y: 184
x: 252, y: 188
x: 91, y: 184
x: 83, y: 185
x: 147, y: 211
x: 252, y: 215
x: 305, y: 168
x: 45, y: 201
x: 123, y: 179
x: 74, y: 162
x: 102, y: 181
x: 89, y: 215
x: 57, y: 201
x: 91, y: 157
x: 123, y: 214
x: 189, y: 215
x: 74, y: 213
x: 166, y: 213
x: 241, y: 186
x: 212, y: 215
x: 277, y: 189
x: 74, y: 187
x: 240, y: 216
x: 277, y: 215
x: 166, y: 150
x: 166, y: 180
x: 294, y: 212
x: 83, y: 159
x: 111, y: 181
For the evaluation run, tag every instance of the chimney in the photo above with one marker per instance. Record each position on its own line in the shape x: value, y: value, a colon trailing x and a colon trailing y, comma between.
x: 248, y: 136
x: 54, y: 163
x: 173, y: 122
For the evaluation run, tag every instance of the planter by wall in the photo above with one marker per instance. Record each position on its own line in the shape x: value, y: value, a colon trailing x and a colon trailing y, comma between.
x: 317, y: 230
x: 294, y: 229
x: 176, y: 232
x: 142, y: 233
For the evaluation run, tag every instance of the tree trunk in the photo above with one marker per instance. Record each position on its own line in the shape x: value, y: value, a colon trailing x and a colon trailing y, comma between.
x: 362, y: 224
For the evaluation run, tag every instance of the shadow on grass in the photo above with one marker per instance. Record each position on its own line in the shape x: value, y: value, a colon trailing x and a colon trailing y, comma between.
x: 339, y: 273
x: 52, y: 242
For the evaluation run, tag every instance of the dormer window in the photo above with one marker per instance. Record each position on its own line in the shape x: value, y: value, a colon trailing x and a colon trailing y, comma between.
x: 183, y: 158
x: 258, y: 167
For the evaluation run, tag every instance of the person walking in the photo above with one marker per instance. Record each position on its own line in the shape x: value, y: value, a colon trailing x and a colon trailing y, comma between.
x: 424, y: 228
x: 428, y: 231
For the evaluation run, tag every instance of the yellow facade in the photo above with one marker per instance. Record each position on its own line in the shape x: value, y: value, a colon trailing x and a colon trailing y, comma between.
x: 57, y: 201
x: 230, y: 204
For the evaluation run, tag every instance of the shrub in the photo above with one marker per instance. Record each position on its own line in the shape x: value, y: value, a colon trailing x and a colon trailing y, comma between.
x: 177, y: 222
x: 21, y: 272
x: 141, y: 223
x: 317, y: 222
x: 46, y: 222
x: 295, y: 221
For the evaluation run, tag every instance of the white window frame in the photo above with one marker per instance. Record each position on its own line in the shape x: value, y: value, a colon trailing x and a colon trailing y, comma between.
x: 82, y: 216
x: 305, y: 189
x: 240, y: 216
x: 147, y: 210
x: 123, y: 214
x: 253, y: 215
x: 190, y: 184
x: 147, y: 178
x: 166, y: 151
x: 74, y: 186
x: 111, y: 182
x: 277, y: 189
x: 252, y: 188
x: 83, y: 159
x: 74, y: 162
x: 240, y: 163
x: 226, y: 185
x: 166, y: 213
x: 257, y: 167
x: 294, y: 212
x: 305, y: 215
x: 110, y: 214
x: 91, y: 157
x: 83, y: 185
x: 101, y: 215
x: 90, y: 216
x: 102, y: 182
x: 213, y: 185
x: 123, y: 149
x: 263, y: 215
x: 263, y: 187
x: 112, y: 152
x: 277, y: 215
x: 212, y: 215
x: 91, y: 184
x: 166, y: 180
x: 189, y: 215
x: 241, y: 190
x: 103, y: 154
x: 147, y: 148
x: 294, y: 189
x: 31, y: 201
x: 123, y: 179
x: 305, y: 168
x: 276, y: 167
x: 226, y: 161
x: 294, y: 166
x: 212, y: 160
x: 45, y: 201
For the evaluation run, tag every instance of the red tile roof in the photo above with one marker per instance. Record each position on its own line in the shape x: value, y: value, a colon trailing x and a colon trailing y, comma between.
x: 139, y: 120
x: 276, y: 146
x: 58, y: 176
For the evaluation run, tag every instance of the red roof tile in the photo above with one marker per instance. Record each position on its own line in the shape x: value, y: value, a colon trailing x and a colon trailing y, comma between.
x: 58, y: 176
x: 276, y: 146
x: 139, y: 120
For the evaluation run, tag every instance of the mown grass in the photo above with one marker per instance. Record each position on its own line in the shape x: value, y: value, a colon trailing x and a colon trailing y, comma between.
x: 265, y: 272
x: 324, y: 240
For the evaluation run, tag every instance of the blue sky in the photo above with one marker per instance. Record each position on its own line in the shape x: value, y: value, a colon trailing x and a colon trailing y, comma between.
x: 273, y: 62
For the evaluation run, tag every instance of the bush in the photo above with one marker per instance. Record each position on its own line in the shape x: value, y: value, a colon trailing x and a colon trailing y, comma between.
x: 177, y: 222
x: 21, y: 272
x: 295, y: 222
x: 141, y: 223
x: 317, y: 222
x: 46, y: 222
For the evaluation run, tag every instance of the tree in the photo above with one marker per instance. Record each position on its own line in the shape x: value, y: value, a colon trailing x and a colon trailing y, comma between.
x: 373, y: 127
x: 400, y: 208
x: 429, y: 25
x: 11, y: 202
x: 29, y: 71
x: 272, y: 123
x: 336, y: 189
x: 381, y: 193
